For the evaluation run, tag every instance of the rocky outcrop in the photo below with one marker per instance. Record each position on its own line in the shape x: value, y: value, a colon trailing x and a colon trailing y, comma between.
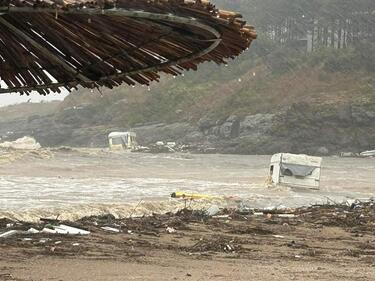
x: 149, y: 134
x: 229, y: 128
x: 301, y: 128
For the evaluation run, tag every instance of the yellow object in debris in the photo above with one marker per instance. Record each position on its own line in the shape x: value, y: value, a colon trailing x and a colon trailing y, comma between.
x: 191, y: 196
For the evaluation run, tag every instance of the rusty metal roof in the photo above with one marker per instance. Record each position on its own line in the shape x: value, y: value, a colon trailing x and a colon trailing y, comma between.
x: 54, y: 44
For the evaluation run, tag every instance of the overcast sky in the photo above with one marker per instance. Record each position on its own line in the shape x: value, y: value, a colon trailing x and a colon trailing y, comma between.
x: 14, y: 98
x: 7, y: 99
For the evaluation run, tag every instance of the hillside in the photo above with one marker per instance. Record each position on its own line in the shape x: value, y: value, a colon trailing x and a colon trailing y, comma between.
x: 306, y: 109
x: 277, y: 96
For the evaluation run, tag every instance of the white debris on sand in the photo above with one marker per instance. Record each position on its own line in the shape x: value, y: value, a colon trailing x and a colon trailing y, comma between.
x: 65, y: 229
x: 25, y: 143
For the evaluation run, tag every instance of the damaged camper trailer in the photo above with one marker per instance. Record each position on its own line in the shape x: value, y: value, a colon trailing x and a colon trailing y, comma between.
x: 295, y: 170
x: 122, y: 141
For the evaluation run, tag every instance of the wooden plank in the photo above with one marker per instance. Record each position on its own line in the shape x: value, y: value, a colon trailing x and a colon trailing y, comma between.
x: 44, y: 50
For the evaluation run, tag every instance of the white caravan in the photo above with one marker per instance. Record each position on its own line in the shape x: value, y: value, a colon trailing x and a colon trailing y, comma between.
x: 122, y: 140
x: 295, y: 170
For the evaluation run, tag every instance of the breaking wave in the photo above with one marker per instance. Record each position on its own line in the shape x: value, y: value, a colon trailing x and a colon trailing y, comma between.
x: 118, y: 210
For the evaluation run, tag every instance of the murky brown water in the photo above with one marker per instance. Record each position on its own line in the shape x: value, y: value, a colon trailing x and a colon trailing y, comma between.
x: 90, y: 182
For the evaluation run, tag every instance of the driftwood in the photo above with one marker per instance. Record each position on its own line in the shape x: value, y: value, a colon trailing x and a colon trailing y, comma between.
x: 54, y: 44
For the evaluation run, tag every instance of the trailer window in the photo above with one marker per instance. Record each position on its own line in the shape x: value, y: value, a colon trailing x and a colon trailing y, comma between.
x: 296, y: 170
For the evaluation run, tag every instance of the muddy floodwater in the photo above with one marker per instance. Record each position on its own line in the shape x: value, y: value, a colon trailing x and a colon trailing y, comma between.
x: 83, y: 182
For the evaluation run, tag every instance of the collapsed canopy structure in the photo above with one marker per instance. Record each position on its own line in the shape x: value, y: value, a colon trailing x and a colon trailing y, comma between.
x: 53, y: 44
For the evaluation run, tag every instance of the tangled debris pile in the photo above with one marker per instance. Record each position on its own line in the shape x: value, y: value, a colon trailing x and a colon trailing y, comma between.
x: 163, y: 147
x: 216, y: 244
x: 352, y: 214
x: 192, y: 231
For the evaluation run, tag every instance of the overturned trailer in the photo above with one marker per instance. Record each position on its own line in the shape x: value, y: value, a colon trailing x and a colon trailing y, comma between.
x: 295, y: 170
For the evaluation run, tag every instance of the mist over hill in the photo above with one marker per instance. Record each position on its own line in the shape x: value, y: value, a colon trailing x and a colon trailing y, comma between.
x: 307, y: 84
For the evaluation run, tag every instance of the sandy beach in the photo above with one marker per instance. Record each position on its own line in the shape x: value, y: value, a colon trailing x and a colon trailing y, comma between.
x: 320, y: 242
